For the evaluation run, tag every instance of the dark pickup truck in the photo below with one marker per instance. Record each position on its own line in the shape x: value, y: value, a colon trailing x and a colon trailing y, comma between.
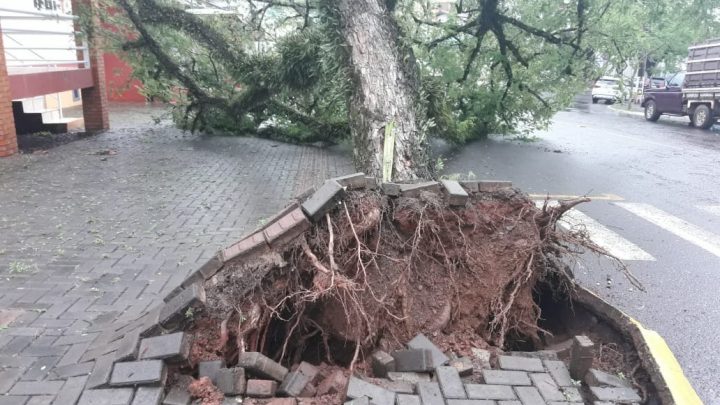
x: 695, y: 93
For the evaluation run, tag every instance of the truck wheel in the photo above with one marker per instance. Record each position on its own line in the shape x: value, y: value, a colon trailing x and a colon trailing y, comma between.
x: 702, y: 117
x: 651, y: 111
x: 594, y: 100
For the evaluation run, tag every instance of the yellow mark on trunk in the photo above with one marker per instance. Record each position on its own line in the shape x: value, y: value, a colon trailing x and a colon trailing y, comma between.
x: 388, y: 151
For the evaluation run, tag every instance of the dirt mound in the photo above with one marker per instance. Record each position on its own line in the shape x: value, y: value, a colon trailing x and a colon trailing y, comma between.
x: 377, y: 270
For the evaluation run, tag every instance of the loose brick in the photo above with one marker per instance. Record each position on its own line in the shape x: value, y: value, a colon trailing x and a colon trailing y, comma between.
x: 581, y: 357
x: 456, y: 195
x: 506, y: 377
x: 493, y: 185
x: 485, y: 391
x: 382, y: 363
x: 148, y: 396
x: 249, y: 245
x: 100, y: 375
x: 371, y: 183
x: 529, y: 396
x: 450, y: 382
x: 559, y: 372
x: 36, y: 388
x: 430, y: 393
x: 539, y: 354
x: 615, y: 394
x: 211, y: 267
x: 210, y: 369
x: 391, y: 189
x: 262, y: 366
x: 547, y: 387
x: 308, y: 370
x: 597, y: 378
x: 572, y: 394
x: 114, y: 396
x: 352, y: 181
x: 405, y: 399
x: 413, y: 360
x: 71, y: 370
x: 146, y: 372
x: 174, y: 310
x: 323, y: 200
x: 470, y: 185
x: 231, y: 381
x: 358, y: 388
x: 481, y: 358
x: 463, y: 365
x: 293, y: 384
x: 71, y: 391
x: 520, y: 364
x: 262, y: 388
x: 469, y: 402
x: 173, y: 348
x: 128, y: 348
x: 410, y: 377
x: 177, y: 396
x: 414, y: 190
x: 422, y: 342
x: 400, y: 387
x: 358, y: 401
x: 286, y: 228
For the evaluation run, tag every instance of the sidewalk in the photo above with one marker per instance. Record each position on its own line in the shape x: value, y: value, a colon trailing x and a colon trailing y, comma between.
x: 110, y: 224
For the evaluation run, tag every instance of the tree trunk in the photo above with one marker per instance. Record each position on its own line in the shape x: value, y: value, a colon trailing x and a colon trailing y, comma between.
x: 385, y: 91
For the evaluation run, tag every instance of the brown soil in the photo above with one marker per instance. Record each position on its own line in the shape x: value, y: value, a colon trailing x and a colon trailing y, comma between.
x: 204, y: 390
x: 377, y: 271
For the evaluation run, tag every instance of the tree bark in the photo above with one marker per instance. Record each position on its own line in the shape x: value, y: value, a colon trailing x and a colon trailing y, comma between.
x: 385, y: 91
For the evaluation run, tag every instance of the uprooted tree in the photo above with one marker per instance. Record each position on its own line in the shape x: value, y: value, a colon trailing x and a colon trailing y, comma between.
x: 319, y: 69
x: 402, y: 70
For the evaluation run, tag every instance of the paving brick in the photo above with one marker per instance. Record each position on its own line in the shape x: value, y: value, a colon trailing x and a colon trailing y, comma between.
x: 581, y: 357
x: 358, y: 401
x: 173, y: 348
x: 391, y: 189
x: 231, y: 381
x: 450, y: 382
x: 148, y: 396
x: 177, y: 396
x: 100, y: 375
x: 469, y: 402
x: 566, y: 403
x: 263, y: 388
x: 538, y: 354
x: 415, y: 189
x: 249, y: 245
x: 529, y: 396
x: 613, y: 394
x: 145, y: 372
x: 382, y: 363
x: 493, y: 185
x: 456, y: 195
x: 485, y: 391
x: 463, y: 365
x: 572, y: 394
x: 258, y: 364
x: 113, y: 396
x: 400, y: 387
x: 559, y: 372
x: 470, y: 185
x: 597, y: 378
x: 430, y: 393
x: 174, y: 310
x: 14, y: 400
x: 410, y: 377
x: 286, y: 228
x: 520, y: 364
x: 308, y: 370
x: 506, y: 377
x: 128, y: 348
x: 358, y: 388
x: 71, y: 391
x: 210, y: 369
x: 405, y: 399
x: 293, y: 384
x: 509, y: 403
x: 422, y: 342
x: 371, y: 183
x: 323, y: 200
x: 209, y: 268
x: 36, y: 388
x: 481, y: 358
x: 41, y: 400
x: 352, y: 181
x: 417, y: 360
x: 547, y: 387
x: 8, y: 377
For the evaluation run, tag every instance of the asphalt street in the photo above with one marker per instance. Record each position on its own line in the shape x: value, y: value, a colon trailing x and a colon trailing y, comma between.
x: 657, y: 189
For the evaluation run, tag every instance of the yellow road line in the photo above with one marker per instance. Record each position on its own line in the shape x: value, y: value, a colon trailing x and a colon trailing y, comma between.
x: 606, y: 197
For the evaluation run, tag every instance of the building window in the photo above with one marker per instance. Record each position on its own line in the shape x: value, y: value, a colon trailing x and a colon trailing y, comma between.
x: 76, y: 94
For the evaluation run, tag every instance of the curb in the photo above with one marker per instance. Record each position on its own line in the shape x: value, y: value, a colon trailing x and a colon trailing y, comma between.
x: 626, y: 112
x: 655, y: 355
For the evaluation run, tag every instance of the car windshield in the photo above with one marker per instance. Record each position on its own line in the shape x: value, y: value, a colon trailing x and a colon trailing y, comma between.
x: 607, y: 82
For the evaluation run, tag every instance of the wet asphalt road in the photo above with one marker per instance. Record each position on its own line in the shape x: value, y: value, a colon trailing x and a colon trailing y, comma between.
x: 590, y: 149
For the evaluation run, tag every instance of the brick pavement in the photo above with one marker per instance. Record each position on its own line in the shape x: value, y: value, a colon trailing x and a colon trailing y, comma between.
x: 85, y: 237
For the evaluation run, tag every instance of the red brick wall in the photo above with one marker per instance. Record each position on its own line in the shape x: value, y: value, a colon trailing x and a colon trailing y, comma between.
x: 8, y: 137
x: 94, y: 99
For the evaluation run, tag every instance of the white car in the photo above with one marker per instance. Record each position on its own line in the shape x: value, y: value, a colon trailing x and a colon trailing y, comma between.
x: 608, y: 89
